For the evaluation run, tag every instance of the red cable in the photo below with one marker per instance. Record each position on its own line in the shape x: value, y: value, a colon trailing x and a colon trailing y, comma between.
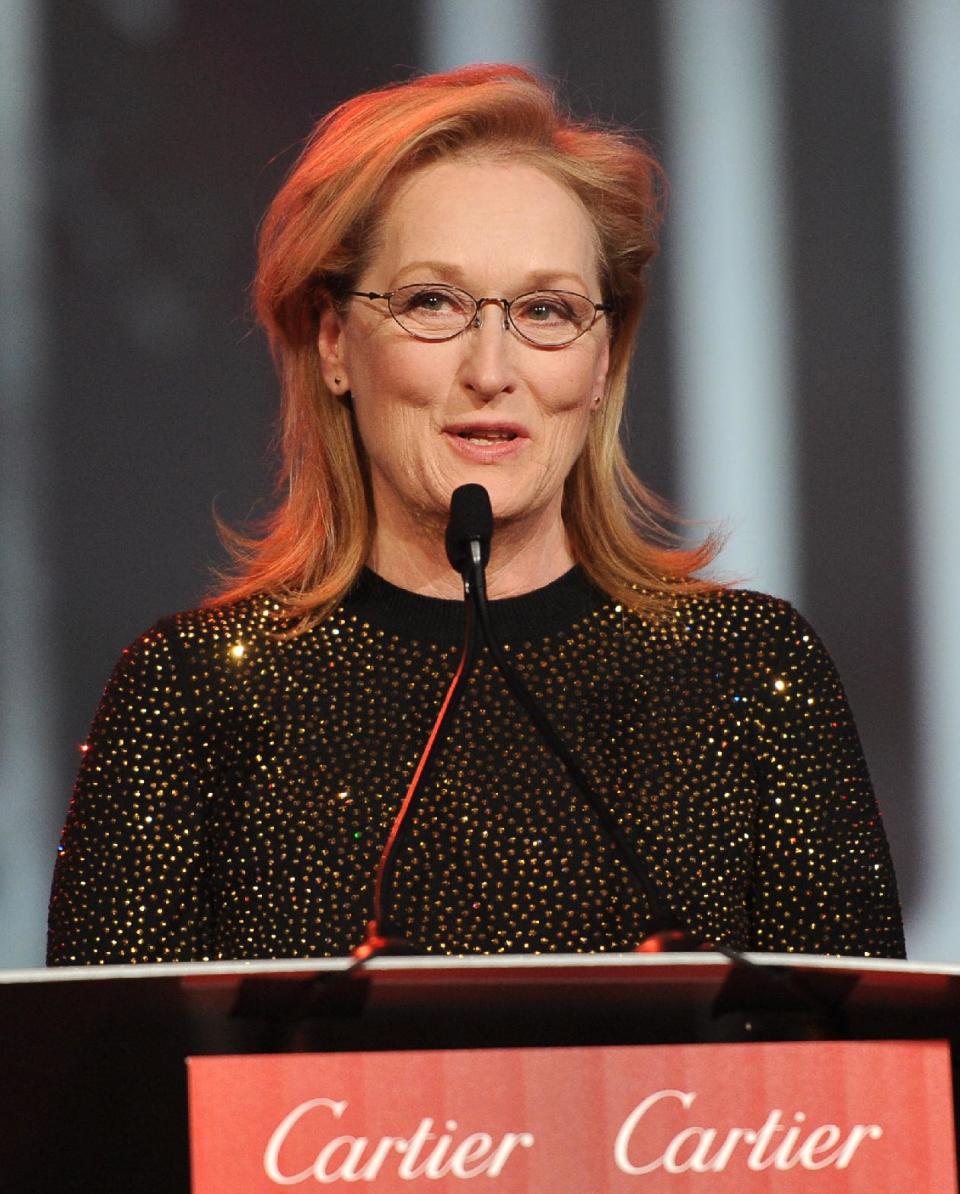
x: 374, y: 940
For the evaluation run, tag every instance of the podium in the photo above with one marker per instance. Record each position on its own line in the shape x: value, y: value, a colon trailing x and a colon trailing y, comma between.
x: 93, y: 1075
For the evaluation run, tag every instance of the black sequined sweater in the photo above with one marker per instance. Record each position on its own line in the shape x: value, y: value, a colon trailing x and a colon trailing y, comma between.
x: 236, y: 789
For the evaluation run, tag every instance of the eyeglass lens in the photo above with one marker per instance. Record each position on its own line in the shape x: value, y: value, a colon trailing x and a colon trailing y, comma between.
x: 548, y: 317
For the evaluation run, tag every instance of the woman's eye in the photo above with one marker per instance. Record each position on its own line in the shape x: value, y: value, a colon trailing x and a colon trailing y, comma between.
x: 432, y: 301
x: 546, y: 310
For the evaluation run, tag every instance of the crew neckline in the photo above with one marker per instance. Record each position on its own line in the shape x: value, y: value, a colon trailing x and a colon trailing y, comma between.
x: 528, y: 617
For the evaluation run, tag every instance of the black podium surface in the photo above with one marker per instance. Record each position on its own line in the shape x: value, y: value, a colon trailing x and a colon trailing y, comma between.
x: 93, y: 1076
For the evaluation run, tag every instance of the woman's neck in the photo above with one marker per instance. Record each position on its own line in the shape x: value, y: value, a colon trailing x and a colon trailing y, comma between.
x: 524, y: 556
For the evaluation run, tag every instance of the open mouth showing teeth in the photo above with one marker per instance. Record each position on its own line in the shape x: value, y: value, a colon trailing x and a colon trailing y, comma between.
x: 487, y: 437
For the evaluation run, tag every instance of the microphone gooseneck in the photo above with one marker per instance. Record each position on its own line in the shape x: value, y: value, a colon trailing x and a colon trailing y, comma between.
x: 665, y: 930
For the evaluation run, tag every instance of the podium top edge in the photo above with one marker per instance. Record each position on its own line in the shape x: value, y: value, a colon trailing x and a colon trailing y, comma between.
x: 524, y: 967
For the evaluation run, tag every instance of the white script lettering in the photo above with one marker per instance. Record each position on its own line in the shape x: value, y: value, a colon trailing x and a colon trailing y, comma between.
x: 777, y: 1143
x: 424, y: 1153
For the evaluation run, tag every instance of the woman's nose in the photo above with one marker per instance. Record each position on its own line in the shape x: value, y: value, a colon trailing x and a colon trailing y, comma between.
x: 488, y: 368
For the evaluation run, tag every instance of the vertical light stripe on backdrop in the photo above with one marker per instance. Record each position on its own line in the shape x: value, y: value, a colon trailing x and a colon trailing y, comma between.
x: 928, y: 33
x: 457, y: 32
x: 26, y: 682
x: 725, y: 249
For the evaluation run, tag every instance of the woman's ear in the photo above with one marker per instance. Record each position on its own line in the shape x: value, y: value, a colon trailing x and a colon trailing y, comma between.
x: 330, y: 347
x: 600, y: 374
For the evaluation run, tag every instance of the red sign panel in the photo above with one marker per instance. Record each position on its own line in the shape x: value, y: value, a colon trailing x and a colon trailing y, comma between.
x: 830, y: 1117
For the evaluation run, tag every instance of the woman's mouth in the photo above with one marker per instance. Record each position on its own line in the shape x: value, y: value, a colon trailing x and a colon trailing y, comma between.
x: 485, y: 443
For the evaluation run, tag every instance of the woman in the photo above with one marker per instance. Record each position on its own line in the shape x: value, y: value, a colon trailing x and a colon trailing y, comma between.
x: 451, y: 279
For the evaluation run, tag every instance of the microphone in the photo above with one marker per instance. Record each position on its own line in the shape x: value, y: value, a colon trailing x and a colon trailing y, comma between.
x: 468, y: 549
x: 469, y: 530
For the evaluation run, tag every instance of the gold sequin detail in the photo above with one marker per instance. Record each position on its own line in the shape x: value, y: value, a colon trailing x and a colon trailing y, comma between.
x: 237, y: 788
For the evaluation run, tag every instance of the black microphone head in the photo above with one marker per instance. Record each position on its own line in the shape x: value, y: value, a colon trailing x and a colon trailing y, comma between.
x: 471, y: 518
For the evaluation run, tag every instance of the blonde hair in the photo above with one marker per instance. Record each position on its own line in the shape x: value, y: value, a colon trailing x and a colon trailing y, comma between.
x: 315, y: 240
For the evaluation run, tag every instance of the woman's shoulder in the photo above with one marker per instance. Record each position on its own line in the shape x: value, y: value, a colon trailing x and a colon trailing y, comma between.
x: 742, y: 611
x: 718, y: 614
x: 224, y: 624
x: 204, y: 635
x: 739, y: 626
x: 754, y: 633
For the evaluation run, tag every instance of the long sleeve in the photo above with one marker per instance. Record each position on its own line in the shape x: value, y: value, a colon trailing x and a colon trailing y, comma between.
x: 128, y: 883
x: 823, y: 873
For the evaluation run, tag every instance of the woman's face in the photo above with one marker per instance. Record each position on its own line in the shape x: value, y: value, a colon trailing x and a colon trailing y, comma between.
x: 486, y: 406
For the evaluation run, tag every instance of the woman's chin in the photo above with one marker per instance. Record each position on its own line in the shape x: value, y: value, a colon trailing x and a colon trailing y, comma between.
x: 505, y: 501
x: 512, y: 497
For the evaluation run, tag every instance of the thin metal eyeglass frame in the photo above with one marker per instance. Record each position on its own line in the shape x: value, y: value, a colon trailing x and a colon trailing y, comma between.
x: 478, y: 303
